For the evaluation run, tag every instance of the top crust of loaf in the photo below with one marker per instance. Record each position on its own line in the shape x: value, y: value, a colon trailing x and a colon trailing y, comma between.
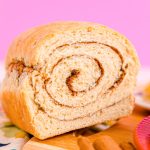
x: 27, y: 47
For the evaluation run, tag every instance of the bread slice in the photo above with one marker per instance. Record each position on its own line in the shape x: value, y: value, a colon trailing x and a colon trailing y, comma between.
x: 68, y: 75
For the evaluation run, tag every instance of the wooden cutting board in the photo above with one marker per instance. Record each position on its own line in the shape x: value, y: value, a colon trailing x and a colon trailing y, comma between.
x: 122, y: 133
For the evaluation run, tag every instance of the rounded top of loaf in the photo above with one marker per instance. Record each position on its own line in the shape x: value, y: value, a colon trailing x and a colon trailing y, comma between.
x: 32, y: 46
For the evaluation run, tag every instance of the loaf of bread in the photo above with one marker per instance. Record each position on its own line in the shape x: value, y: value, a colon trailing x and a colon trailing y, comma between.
x: 68, y: 75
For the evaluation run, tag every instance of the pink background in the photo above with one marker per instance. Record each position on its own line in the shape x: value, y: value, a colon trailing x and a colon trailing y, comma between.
x: 130, y: 17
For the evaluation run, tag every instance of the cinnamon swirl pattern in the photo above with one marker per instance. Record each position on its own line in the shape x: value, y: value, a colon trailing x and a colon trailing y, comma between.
x: 68, y: 75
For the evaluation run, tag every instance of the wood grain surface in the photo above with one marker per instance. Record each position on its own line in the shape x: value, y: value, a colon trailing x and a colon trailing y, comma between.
x: 122, y: 132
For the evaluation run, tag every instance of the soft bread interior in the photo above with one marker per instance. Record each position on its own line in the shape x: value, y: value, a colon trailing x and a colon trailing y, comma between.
x: 66, y: 76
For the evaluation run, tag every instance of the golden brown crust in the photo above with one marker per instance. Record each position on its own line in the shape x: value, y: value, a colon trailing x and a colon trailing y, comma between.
x: 26, y: 46
x: 20, y: 117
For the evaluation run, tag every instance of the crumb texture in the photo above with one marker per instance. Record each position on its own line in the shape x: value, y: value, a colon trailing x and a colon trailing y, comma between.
x: 65, y: 76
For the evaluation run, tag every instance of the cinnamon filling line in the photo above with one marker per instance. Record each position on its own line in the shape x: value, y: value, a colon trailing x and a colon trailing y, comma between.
x: 20, y: 67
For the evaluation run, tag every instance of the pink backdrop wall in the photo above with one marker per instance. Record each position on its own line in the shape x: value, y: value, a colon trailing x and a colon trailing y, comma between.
x: 130, y: 17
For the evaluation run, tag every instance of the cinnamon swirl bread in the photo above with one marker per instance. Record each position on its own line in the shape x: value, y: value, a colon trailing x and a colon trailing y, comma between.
x: 68, y: 75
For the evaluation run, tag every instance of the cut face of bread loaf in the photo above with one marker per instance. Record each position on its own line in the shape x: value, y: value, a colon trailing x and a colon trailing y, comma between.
x: 68, y: 75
